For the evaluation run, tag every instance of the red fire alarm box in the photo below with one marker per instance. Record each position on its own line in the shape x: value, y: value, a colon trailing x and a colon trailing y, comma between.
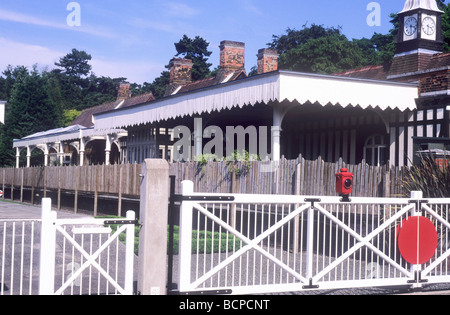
x: 344, y: 182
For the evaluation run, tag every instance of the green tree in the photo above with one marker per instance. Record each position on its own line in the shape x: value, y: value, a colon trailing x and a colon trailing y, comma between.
x: 197, y: 50
x: 32, y: 108
x: 321, y: 50
x: 326, y: 54
x: 294, y: 38
x: 159, y: 85
x: 75, y: 64
x: 11, y: 75
x: 100, y: 90
x: 69, y: 116
x: 446, y: 25
x: 73, y: 79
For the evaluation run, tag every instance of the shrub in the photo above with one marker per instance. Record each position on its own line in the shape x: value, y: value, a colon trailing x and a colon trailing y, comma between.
x: 432, y: 178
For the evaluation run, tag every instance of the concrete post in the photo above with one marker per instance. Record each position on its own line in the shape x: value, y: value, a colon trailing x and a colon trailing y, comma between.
x: 154, y: 207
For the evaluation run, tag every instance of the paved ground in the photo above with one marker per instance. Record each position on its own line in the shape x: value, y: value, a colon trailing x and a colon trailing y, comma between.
x: 13, y: 210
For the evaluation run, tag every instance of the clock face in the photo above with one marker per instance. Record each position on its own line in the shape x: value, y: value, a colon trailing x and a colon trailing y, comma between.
x: 428, y: 25
x: 410, y: 26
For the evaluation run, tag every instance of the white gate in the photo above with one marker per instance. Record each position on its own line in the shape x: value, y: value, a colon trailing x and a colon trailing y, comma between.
x: 85, y: 256
x: 250, y: 244
x: 19, y: 257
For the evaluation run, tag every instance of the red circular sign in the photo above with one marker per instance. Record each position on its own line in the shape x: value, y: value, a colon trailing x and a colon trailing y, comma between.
x: 417, y: 240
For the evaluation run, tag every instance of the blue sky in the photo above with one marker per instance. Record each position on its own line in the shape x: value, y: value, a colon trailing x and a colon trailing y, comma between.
x: 135, y: 38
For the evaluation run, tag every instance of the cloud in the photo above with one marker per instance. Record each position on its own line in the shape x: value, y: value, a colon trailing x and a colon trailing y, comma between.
x: 11, y: 16
x: 180, y: 10
x: 167, y: 26
x: 135, y: 71
x: 18, y: 54
x: 22, y: 54
x: 251, y: 7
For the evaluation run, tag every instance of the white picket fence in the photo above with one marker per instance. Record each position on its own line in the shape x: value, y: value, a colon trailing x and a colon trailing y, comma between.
x: 54, y: 256
x: 273, y: 244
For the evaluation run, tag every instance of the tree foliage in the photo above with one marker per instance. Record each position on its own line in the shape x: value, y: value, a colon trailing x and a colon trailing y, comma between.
x: 197, y: 50
x: 52, y: 99
x: 322, y: 49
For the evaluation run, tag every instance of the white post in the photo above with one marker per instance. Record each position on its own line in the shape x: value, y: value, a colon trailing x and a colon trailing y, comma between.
x: 278, y: 116
x: 28, y: 156
x: 185, y: 249
x: 108, y: 150
x: 129, y: 256
x: 310, y: 244
x: 48, y: 244
x: 416, y: 195
x: 17, y: 157
x: 276, y: 143
x: 82, y: 151
x: 61, y: 153
x: 46, y: 153
x: 198, y: 135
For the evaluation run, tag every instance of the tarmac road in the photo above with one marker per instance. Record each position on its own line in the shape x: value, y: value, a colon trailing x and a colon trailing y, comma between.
x: 13, y: 210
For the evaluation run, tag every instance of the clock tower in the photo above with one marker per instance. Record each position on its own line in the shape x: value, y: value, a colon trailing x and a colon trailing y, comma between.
x: 419, y: 37
x: 420, y: 27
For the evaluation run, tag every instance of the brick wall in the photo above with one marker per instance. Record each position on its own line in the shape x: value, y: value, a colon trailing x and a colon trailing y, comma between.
x: 435, y: 81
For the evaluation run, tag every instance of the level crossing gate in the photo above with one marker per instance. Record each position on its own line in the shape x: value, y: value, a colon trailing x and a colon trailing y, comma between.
x: 51, y: 256
x: 254, y: 244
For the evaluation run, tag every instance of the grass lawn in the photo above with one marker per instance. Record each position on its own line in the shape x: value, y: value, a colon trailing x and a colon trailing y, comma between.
x: 214, y: 242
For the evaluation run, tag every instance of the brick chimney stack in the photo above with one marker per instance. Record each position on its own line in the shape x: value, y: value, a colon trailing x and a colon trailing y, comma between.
x: 180, y: 74
x: 181, y: 71
x: 232, y: 55
x: 124, y: 91
x: 267, y: 60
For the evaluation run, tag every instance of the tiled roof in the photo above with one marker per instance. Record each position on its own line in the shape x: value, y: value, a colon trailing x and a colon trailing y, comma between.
x: 439, y: 61
x: 140, y: 99
x: 85, y: 118
x: 220, y: 77
x: 369, y: 72
x: 380, y: 72
x: 197, y: 85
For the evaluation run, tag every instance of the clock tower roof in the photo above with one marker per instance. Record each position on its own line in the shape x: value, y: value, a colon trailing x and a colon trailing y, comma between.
x: 412, y: 5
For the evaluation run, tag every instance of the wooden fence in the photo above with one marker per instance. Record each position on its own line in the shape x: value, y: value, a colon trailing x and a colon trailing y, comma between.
x: 299, y: 177
x: 309, y: 178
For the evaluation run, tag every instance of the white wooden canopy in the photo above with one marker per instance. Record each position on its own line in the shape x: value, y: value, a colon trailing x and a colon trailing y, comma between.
x: 266, y: 88
x: 70, y: 133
